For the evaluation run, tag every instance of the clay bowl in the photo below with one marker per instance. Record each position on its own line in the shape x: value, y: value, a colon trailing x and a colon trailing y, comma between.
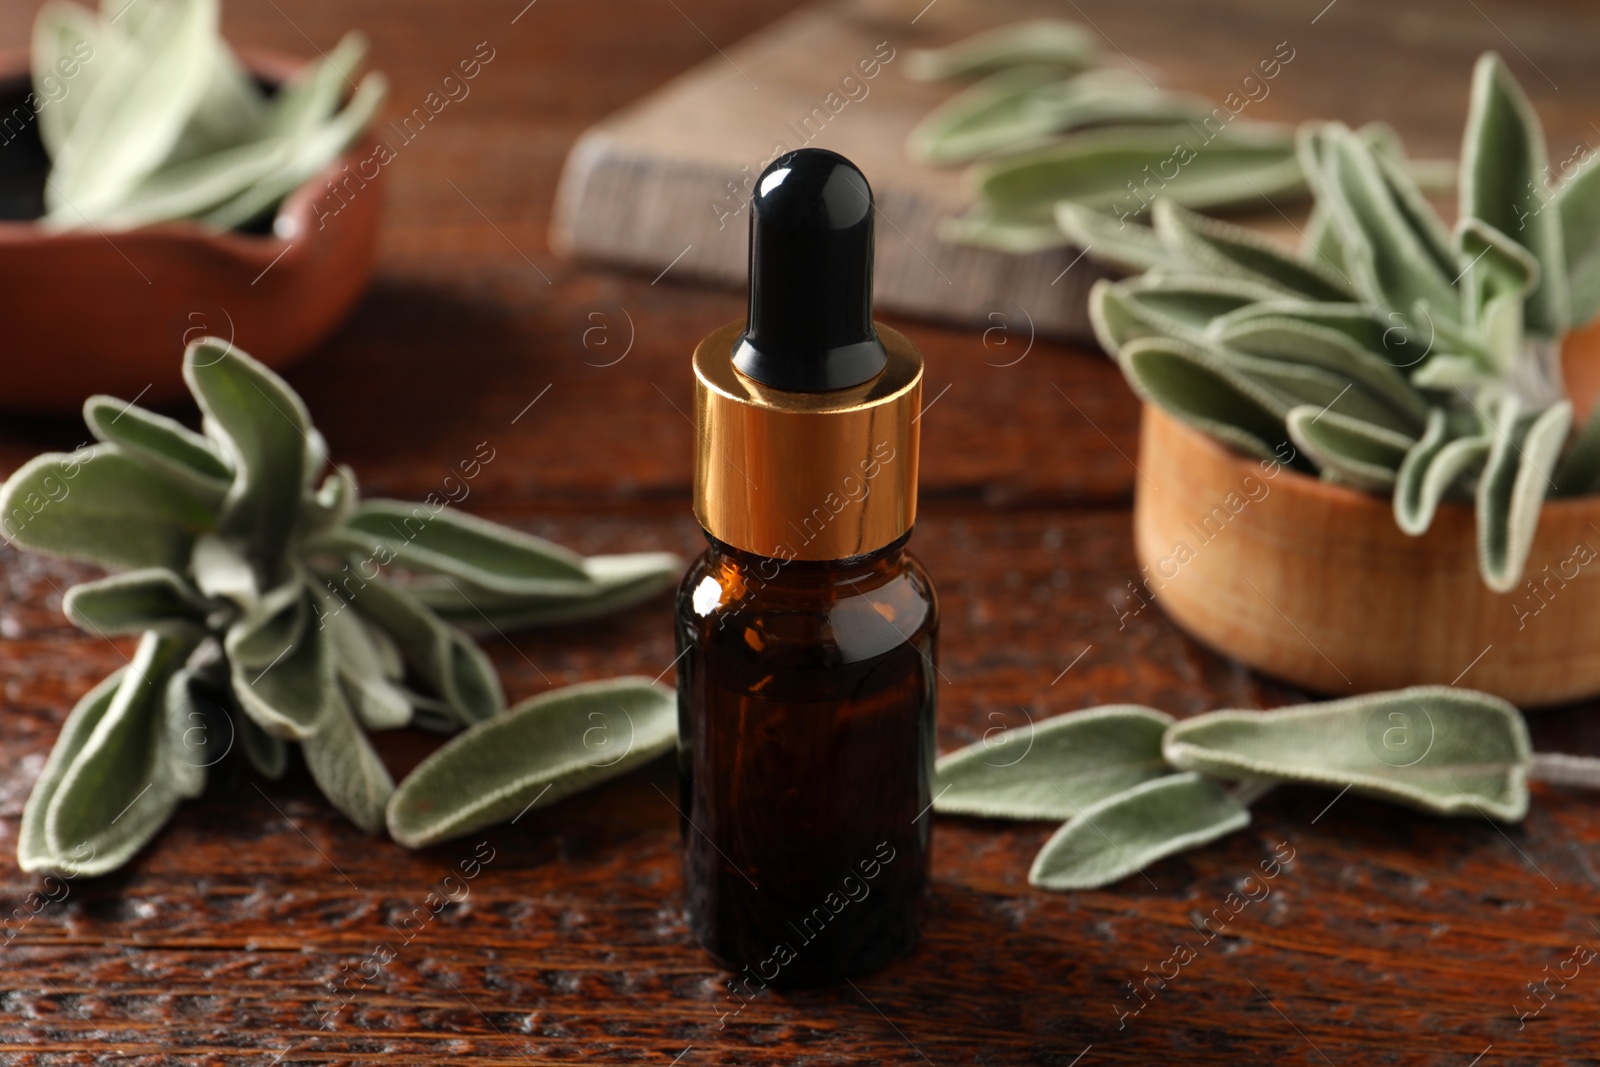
x: 90, y: 312
x: 1315, y: 584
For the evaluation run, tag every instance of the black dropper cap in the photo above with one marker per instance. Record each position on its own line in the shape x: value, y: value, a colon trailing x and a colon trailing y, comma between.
x: 810, y: 325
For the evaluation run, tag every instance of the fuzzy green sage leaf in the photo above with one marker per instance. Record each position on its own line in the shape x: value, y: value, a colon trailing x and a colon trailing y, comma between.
x: 104, y: 505
x: 1056, y: 42
x: 1053, y: 769
x: 1126, y: 832
x: 132, y: 602
x: 1445, y: 750
x: 120, y: 788
x: 537, y: 753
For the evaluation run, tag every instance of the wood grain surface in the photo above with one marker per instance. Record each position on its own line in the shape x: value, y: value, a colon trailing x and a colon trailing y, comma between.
x: 1392, y: 938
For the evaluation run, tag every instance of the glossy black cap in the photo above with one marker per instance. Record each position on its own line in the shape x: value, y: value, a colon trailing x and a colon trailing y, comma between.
x: 810, y: 325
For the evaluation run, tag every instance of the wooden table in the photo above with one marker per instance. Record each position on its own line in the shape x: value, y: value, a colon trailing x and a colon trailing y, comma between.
x: 1392, y: 937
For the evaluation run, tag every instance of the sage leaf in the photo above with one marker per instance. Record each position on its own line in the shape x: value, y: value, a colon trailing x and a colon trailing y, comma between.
x: 313, y: 95
x: 102, y: 505
x: 367, y: 669
x: 1093, y: 167
x: 121, y: 788
x: 221, y: 572
x: 229, y: 112
x: 1120, y: 243
x: 1202, y: 390
x: 269, y: 755
x: 273, y: 626
x: 262, y: 425
x: 1130, y: 830
x: 1349, y: 450
x: 1355, y: 321
x: 1058, y: 43
x: 191, y: 746
x: 1212, y: 246
x: 1055, y: 768
x: 1022, y: 107
x: 1294, y: 340
x: 198, y: 185
x: 1445, y: 750
x: 441, y: 655
x: 1578, y: 203
x: 1503, y: 167
x: 537, y: 753
x: 990, y: 115
x: 1498, y: 274
x: 293, y: 694
x: 1387, y: 263
x: 1321, y: 242
x: 1302, y: 383
x: 330, y: 505
x: 1434, y: 466
x: 34, y: 854
x: 442, y: 540
x: 1400, y: 178
x: 135, y: 110
x: 310, y: 152
x: 617, y: 582
x: 163, y: 444
x: 151, y: 598
x: 1170, y: 305
x: 347, y: 769
x: 1512, y: 488
x: 1447, y: 371
x: 65, y: 33
x: 378, y: 703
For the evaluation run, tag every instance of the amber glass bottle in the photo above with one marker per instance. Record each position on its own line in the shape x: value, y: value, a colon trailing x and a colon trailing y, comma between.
x: 806, y: 675
x: 807, y: 727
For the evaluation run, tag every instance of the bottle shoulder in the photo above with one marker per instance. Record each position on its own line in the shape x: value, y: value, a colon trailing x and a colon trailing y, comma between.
x: 859, y: 609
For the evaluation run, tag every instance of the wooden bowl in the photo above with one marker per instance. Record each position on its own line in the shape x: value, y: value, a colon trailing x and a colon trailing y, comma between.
x: 109, y: 312
x: 1315, y: 584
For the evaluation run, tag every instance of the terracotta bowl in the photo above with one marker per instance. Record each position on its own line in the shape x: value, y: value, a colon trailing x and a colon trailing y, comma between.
x: 91, y: 312
x: 1315, y: 584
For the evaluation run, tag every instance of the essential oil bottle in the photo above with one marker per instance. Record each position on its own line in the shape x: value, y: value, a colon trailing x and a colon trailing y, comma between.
x: 806, y: 631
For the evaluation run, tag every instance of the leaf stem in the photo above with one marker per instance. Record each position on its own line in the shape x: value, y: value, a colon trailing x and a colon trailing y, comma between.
x: 1558, y: 768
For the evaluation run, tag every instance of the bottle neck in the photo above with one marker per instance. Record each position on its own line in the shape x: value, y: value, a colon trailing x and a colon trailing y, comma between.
x: 810, y: 572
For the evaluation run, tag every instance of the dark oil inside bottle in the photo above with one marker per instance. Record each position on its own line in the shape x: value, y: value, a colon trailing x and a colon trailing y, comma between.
x: 806, y: 745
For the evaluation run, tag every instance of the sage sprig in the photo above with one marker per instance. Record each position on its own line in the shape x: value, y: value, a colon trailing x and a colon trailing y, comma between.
x: 279, y: 609
x: 1046, y: 125
x: 162, y: 121
x: 1391, y: 353
x: 1134, y: 786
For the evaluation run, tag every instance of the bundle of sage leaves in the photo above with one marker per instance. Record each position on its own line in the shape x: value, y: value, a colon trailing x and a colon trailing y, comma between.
x: 278, y: 608
x: 159, y: 120
x: 1045, y: 121
x: 1389, y: 353
x: 1136, y: 786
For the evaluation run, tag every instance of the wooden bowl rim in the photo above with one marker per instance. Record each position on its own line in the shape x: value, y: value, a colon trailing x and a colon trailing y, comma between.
x: 249, y: 248
x: 1341, y: 496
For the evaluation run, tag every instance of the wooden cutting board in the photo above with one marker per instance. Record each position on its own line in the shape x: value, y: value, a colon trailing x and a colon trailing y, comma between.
x: 662, y: 185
